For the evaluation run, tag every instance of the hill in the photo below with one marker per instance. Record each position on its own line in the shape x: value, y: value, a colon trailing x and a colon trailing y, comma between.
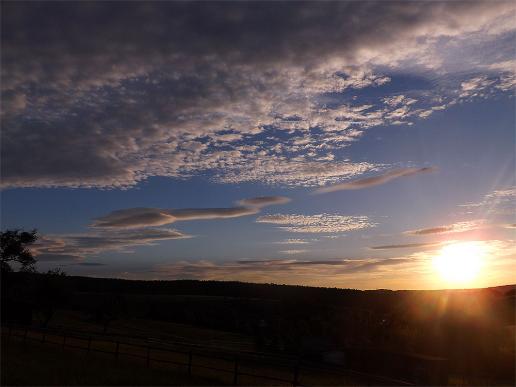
x: 377, y: 331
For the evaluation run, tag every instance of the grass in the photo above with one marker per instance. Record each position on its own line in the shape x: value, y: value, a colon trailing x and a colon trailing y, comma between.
x: 34, y: 363
x: 160, y: 330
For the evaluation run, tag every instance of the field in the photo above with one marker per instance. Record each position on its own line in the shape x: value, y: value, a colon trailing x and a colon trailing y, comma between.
x: 33, y: 363
x: 192, y: 332
x: 51, y: 357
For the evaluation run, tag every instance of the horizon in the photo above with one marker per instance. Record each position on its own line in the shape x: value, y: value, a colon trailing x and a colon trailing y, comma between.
x: 283, y: 284
x: 350, y: 145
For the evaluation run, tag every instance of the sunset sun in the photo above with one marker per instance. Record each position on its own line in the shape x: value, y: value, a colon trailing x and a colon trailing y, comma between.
x: 460, y: 263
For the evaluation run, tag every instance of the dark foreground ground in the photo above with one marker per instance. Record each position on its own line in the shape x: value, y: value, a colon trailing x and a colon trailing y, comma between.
x: 32, y: 356
x: 34, y: 363
x: 218, y: 333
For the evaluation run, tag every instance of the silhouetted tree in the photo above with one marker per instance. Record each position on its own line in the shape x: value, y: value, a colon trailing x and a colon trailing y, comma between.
x: 56, y: 272
x: 52, y: 292
x: 109, y: 310
x: 14, y: 248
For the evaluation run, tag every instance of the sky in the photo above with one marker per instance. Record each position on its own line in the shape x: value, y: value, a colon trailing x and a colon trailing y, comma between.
x: 338, y: 144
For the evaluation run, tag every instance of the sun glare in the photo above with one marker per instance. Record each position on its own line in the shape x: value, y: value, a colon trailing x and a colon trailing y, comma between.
x: 460, y: 263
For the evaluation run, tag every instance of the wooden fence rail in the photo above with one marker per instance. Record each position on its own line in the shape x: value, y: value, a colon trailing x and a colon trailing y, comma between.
x: 146, y: 351
x: 23, y: 333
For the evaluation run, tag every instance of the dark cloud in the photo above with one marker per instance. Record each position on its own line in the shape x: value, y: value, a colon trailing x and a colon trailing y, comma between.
x: 262, y: 261
x: 470, y: 225
x: 75, y: 247
x: 121, y: 239
x: 49, y: 257
x: 144, y: 217
x: 375, y: 180
x: 323, y: 262
x: 88, y: 100
x: 432, y: 230
x: 405, y: 246
x: 263, y: 201
x: 123, y: 229
x: 374, y: 264
x: 290, y: 262
x: 351, y: 264
x: 212, y: 213
x: 278, y: 270
x: 135, y: 217
x: 307, y: 33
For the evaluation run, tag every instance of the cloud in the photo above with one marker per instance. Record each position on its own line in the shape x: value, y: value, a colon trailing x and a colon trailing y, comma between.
x: 295, y: 241
x: 498, y: 202
x: 398, y: 100
x: 508, y: 193
x: 475, y: 86
x: 337, y: 272
x: 451, y: 228
x: 375, y: 180
x: 263, y: 201
x: 48, y: 257
x: 319, y: 223
x: 122, y: 229
x: 135, y: 217
x: 293, y: 251
x: 145, y: 217
x: 432, y: 230
x: 412, y: 271
x: 213, y: 213
x: 406, y: 246
x: 176, y: 99
x: 281, y: 169
x: 75, y: 247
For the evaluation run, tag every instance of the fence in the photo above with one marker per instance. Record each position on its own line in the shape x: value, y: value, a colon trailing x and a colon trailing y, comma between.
x: 287, y: 371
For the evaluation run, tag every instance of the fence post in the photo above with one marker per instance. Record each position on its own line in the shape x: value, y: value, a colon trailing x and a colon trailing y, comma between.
x: 64, y: 341
x: 25, y: 339
x: 148, y: 356
x: 117, y: 350
x: 190, y: 363
x: 44, y: 337
x: 89, y: 344
x: 8, y: 346
x: 235, y: 375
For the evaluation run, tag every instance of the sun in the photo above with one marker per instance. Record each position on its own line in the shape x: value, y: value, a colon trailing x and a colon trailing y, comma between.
x: 461, y: 262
